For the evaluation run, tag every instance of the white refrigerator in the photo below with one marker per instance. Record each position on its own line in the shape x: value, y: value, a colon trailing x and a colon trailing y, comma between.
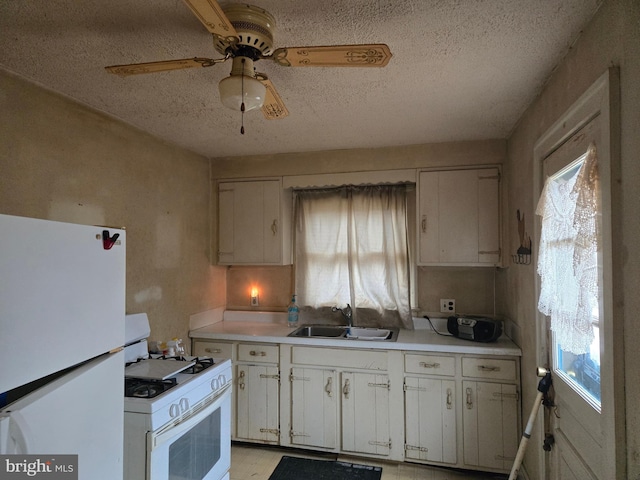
x: 62, y: 309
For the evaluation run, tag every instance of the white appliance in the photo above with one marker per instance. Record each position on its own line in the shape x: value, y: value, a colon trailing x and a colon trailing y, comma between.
x: 62, y: 308
x: 177, y: 412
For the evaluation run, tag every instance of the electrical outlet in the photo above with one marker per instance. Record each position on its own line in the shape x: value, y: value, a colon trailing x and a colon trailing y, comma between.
x: 254, y: 301
x: 447, y: 305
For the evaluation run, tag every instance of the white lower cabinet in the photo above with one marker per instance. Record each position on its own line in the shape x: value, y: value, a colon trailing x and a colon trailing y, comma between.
x: 257, y: 392
x: 447, y: 409
x: 430, y: 419
x: 340, y: 400
x: 490, y: 424
x: 314, y: 407
x: 462, y: 410
x: 491, y: 412
x: 365, y: 413
x: 257, y: 400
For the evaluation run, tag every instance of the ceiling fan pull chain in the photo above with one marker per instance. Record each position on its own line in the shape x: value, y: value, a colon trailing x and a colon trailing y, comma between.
x: 242, y: 101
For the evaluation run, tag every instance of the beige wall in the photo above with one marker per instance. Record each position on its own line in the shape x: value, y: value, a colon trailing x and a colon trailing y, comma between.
x: 612, y: 38
x: 62, y: 161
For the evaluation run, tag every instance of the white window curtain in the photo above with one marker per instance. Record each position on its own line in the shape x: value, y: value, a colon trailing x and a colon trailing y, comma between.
x: 351, y: 247
x: 567, y: 260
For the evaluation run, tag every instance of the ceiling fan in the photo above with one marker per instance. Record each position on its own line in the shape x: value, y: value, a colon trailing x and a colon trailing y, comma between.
x: 244, y: 34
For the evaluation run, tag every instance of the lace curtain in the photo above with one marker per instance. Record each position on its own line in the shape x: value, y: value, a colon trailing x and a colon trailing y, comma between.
x: 351, y: 247
x: 567, y: 260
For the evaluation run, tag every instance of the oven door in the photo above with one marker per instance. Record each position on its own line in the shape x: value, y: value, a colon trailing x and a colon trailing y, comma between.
x: 198, y: 448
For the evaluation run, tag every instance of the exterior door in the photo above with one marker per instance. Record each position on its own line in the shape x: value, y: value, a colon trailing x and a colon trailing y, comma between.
x: 584, y: 422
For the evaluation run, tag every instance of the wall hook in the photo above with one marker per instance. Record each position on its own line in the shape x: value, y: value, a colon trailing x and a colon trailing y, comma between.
x: 108, y: 241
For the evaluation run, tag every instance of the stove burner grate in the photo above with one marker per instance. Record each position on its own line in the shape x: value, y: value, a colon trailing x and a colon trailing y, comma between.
x: 144, y: 388
x: 200, y: 365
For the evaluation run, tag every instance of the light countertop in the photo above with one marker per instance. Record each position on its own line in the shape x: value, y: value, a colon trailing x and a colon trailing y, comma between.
x: 415, y: 340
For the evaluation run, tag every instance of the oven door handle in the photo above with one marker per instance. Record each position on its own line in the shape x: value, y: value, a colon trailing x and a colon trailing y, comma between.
x: 176, y: 429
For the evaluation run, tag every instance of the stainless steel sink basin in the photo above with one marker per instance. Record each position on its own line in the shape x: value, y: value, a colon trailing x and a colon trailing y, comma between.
x: 330, y: 331
x: 340, y: 332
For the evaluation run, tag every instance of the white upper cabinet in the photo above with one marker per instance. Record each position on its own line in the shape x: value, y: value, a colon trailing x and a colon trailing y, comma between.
x: 253, y: 225
x: 459, y: 217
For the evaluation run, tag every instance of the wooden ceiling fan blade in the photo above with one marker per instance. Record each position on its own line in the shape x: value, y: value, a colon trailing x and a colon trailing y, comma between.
x: 214, y: 19
x: 153, y: 67
x: 273, y: 107
x: 367, y: 55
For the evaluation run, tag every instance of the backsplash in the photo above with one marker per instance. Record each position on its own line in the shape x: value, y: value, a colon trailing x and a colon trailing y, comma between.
x: 472, y: 288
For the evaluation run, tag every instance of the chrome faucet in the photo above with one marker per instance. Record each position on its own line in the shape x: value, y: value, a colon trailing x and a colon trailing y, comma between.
x: 346, y: 312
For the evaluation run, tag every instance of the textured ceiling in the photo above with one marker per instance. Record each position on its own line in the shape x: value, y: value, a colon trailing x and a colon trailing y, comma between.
x: 461, y: 69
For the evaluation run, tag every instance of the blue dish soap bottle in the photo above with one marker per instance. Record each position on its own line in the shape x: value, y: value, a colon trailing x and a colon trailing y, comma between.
x: 293, y: 310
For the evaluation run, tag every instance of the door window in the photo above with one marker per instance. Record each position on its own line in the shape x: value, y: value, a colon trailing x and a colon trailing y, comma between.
x: 570, y: 279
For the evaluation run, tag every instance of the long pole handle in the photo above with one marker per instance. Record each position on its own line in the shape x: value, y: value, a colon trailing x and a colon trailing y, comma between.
x: 525, y: 437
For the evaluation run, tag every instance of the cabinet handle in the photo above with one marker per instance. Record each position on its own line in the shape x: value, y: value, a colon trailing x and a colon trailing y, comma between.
x: 429, y: 365
x: 241, y: 380
x: 424, y: 224
x: 488, y: 368
x: 380, y: 385
x: 469, y: 398
x: 272, y: 431
x: 449, y: 399
x: 380, y: 444
x: 274, y: 227
x: 329, y: 386
x: 213, y: 350
x: 253, y: 353
x: 416, y: 448
x: 346, y: 388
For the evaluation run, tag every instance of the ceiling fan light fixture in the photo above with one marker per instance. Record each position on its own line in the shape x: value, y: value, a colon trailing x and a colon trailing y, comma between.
x: 242, y: 87
x: 236, y: 89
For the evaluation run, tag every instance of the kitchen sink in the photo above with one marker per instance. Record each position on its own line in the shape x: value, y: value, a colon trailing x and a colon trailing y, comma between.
x: 343, y: 332
x: 330, y: 331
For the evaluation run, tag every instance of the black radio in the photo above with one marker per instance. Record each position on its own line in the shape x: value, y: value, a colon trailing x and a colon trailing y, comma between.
x: 478, y: 329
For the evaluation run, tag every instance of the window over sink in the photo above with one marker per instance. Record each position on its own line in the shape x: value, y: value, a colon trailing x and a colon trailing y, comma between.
x: 352, y: 246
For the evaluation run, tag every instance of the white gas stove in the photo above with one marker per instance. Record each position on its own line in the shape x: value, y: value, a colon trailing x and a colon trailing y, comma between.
x: 177, y: 412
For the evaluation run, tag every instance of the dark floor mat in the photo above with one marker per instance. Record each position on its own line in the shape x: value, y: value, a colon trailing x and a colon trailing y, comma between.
x: 294, y: 468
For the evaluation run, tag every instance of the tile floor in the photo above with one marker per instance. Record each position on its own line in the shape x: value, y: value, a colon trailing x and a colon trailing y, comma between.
x: 257, y: 463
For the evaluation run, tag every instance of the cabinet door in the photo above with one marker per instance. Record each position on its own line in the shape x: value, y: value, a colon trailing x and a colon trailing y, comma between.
x: 257, y: 396
x: 365, y: 413
x: 314, y: 407
x: 249, y: 230
x: 490, y: 424
x: 430, y: 420
x: 459, y: 217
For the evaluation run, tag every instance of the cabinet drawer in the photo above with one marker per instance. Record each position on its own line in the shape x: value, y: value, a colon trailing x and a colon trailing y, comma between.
x: 254, y: 352
x: 202, y: 348
x: 430, y: 364
x: 492, y: 368
x: 334, y: 357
